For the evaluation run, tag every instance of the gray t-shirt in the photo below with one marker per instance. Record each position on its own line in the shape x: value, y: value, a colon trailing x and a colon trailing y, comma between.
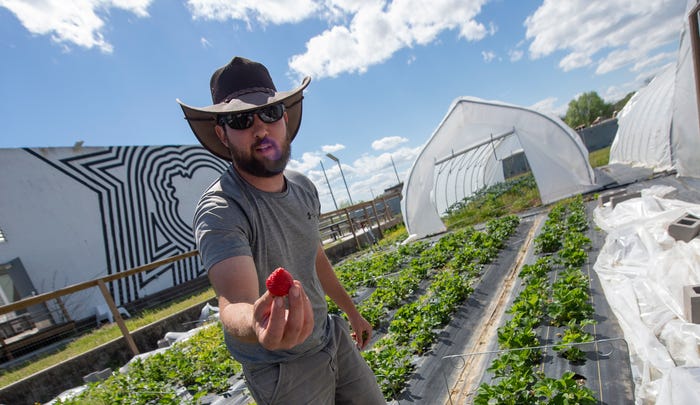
x: 234, y: 218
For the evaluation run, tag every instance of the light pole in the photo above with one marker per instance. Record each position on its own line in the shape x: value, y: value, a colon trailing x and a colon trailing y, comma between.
x: 398, y: 181
x: 329, y: 186
x: 332, y: 157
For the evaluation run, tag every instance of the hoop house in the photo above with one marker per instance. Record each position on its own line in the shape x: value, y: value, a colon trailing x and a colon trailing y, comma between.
x: 644, y: 125
x: 658, y: 127
x: 467, y: 150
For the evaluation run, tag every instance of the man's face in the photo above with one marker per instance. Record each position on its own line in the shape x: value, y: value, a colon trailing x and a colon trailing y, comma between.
x: 263, y: 150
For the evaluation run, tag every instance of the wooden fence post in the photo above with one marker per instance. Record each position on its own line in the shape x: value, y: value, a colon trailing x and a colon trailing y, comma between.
x: 118, y: 317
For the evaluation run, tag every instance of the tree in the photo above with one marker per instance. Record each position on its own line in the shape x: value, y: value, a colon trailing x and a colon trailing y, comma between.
x: 621, y: 104
x: 586, y: 108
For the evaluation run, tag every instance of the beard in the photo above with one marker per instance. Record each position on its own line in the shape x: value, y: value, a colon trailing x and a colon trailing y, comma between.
x: 263, y: 167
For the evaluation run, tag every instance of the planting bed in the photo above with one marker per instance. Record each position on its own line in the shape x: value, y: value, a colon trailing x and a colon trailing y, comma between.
x: 435, y: 375
x: 454, y: 370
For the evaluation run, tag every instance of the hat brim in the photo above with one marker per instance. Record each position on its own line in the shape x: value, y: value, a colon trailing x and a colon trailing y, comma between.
x: 202, y: 120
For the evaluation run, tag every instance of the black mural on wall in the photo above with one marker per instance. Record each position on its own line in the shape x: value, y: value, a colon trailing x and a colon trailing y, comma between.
x: 139, y: 207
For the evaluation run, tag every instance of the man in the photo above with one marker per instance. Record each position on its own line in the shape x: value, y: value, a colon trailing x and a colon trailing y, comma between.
x: 257, y: 217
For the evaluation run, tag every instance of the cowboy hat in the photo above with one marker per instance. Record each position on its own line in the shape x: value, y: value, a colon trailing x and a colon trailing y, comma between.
x: 242, y: 85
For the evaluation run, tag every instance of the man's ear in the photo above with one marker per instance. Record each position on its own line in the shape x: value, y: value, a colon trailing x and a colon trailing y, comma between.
x: 221, y: 134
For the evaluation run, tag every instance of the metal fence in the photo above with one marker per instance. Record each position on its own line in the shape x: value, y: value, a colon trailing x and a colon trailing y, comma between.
x: 357, y: 220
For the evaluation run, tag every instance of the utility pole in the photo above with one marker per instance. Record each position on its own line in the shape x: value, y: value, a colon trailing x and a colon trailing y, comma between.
x: 329, y: 186
x: 332, y: 157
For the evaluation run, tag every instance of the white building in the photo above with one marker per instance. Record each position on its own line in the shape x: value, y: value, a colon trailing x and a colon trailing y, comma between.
x: 69, y: 215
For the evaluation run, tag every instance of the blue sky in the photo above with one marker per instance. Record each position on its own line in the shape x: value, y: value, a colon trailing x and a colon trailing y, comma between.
x: 384, y: 73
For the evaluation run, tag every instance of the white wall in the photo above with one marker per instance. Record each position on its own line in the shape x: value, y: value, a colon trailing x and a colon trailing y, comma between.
x: 73, y: 215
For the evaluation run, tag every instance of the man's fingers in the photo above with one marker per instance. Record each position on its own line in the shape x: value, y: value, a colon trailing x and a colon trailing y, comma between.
x: 295, y: 316
x: 282, y: 328
x: 308, y: 317
x: 272, y: 331
x: 263, y: 305
x: 300, y: 321
x: 364, y: 338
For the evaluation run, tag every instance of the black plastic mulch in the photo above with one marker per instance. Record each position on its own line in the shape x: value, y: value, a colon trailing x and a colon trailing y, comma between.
x: 435, y: 376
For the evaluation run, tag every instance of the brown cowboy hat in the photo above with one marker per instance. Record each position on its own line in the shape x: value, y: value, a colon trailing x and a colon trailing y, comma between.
x: 242, y: 85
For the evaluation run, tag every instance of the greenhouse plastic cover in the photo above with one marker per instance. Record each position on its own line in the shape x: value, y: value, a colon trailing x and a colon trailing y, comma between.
x: 658, y: 128
x: 465, y: 154
x: 643, y: 271
x: 644, y: 123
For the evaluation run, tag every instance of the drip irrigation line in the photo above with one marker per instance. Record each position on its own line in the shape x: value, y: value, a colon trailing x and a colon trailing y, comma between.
x: 462, y: 356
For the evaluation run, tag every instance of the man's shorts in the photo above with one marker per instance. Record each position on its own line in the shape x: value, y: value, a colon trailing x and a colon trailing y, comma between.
x: 337, y: 374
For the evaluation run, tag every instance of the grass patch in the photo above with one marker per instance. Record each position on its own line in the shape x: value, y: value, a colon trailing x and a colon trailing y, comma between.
x: 600, y: 157
x: 100, y: 336
x: 510, y: 197
x: 394, y: 235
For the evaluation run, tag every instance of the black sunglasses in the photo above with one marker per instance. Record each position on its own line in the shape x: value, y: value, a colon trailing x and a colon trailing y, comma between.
x: 244, y: 120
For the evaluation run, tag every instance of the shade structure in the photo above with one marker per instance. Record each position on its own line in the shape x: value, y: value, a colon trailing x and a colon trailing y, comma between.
x: 466, y: 152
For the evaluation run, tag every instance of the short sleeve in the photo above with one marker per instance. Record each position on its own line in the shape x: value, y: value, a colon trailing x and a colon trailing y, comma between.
x: 221, y: 230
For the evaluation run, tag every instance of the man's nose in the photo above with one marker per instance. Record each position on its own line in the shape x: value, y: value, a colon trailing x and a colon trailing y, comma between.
x: 259, y: 127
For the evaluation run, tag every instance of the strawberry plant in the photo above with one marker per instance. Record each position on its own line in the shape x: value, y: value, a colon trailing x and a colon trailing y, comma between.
x: 511, y: 389
x: 200, y: 365
x: 570, y: 298
x: 549, y: 240
x: 572, y: 335
x: 391, y: 364
x: 564, y: 391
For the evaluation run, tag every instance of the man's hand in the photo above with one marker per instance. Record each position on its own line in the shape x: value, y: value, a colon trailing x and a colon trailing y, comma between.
x: 279, y: 328
x: 361, y: 331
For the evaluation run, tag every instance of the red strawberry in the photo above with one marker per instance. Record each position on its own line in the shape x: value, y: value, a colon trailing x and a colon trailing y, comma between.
x: 279, y: 282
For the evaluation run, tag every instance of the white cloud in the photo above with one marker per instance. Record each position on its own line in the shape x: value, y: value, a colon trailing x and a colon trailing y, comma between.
x: 370, y: 174
x: 661, y: 58
x: 376, y: 31
x: 375, y: 173
x: 205, y: 42
x: 574, y: 60
x: 332, y: 148
x: 488, y: 56
x: 615, y: 93
x: 360, y: 34
x: 515, y: 55
x: 72, y: 22
x: 389, y: 142
x: 609, y: 35
x: 308, y: 162
x: 264, y: 12
x: 548, y: 106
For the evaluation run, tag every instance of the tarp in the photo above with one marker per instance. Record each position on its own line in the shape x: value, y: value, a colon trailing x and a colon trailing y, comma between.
x: 643, y: 271
x: 659, y: 127
x: 465, y: 154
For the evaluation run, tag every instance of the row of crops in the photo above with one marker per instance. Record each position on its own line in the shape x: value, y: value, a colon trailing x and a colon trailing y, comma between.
x: 416, y: 290
x: 555, y: 293
x: 408, y: 293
